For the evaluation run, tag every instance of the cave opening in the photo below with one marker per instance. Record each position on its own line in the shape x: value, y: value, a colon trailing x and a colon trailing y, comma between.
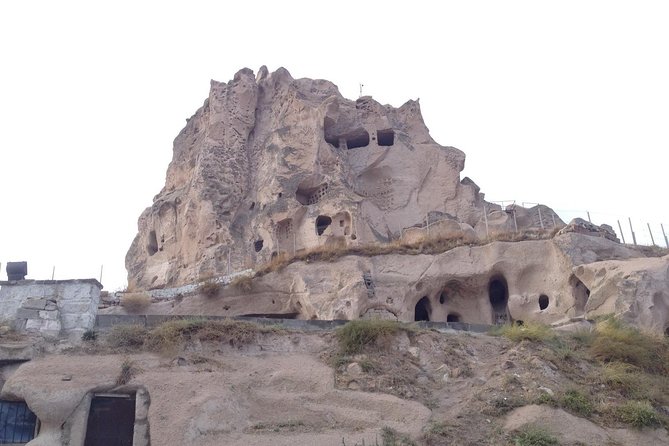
x: 453, y: 317
x: 322, y: 223
x: 386, y: 137
x: 543, y: 302
x: 423, y: 309
x: 152, y: 247
x: 498, y: 293
x: 257, y: 245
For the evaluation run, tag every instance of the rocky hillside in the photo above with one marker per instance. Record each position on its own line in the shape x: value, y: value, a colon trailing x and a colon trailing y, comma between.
x: 368, y: 383
x: 272, y: 165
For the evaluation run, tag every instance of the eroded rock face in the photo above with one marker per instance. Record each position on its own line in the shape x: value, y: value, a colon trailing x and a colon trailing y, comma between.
x: 272, y: 164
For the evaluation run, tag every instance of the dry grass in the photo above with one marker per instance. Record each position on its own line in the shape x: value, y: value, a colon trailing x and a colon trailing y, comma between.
x: 617, y: 342
x: 356, y: 335
x: 243, y: 283
x: 135, y: 302
x: 530, y: 331
x: 209, y: 288
x: 638, y: 414
x: 126, y: 336
x: 126, y: 373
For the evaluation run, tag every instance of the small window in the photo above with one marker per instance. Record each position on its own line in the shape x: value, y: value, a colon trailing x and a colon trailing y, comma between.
x: 17, y: 422
x: 386, y: 137
x: 322, y: 223
x: 543, y: 302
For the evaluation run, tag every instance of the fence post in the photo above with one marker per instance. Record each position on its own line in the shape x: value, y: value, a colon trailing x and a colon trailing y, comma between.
x: 652, y: 239
x: 53, y: 272
x: 101, y: 268
x: 515, y: 222
x: 621, y: 233
x: 666, y: 242
x: 632, y: 229
x: 588, y: 212
x: 485, y: 217
x: 541, y: 220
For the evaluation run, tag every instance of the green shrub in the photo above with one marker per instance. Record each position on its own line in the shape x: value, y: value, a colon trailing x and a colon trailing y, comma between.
x: 356, y: 335
x: 530, y: 331
x: 638, y: 413
x: 577, y: 402
x: 534, y: 436
x: 126, y: 336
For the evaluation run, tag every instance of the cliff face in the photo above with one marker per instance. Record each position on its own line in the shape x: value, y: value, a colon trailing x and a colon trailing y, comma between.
x: 271, y: 164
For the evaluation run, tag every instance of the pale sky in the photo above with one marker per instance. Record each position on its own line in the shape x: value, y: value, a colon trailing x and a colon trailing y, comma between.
x: 561, y: 103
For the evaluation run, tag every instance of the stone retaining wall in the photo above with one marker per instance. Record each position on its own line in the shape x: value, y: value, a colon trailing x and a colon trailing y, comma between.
x: 50, y: 307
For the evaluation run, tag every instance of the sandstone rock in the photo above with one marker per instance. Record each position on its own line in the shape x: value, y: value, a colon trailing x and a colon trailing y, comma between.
x: 272, y: 164
x: 581, y: 226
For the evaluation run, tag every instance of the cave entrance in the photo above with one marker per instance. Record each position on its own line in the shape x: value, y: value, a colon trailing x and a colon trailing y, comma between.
x: 581, y: 293
x: 498, y: 292
x: 258, y: 244
x: 386, y: 137
x: 152, y: 247
x: 423, y: 309
x: 322, y: 223
x: 111, y: 420
x: 543, y: 302
x: 453, y: 317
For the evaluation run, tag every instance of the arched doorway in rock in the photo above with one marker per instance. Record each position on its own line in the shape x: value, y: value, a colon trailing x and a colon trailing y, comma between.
x: 453, y: 317
x: 423, y: 309
x: 498, y: 293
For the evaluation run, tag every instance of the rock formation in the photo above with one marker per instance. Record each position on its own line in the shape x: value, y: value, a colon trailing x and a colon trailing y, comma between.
x: 271, y: 164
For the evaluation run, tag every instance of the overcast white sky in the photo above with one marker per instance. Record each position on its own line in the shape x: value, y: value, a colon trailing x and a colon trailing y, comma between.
x: 564, y: 103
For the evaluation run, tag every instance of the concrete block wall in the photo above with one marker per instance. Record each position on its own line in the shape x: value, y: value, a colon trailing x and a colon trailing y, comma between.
x: 50, y: 307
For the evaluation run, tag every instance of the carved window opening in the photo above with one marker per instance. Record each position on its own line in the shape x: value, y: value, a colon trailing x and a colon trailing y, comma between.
x: 386, y: 137
x: 111, y: 420
x: 258, y: 245
x: 498, y: 293
x: 152, y: 247
x: 423, y: 309
x: 543, y: 302
x: 453, y: 317
x: 17, y: 422
x: 580, y: 293
x: 322, y: 223
x: 311, y: 195
x: 442, y: 297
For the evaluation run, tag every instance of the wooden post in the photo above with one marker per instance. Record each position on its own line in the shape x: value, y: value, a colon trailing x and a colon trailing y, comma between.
x: 621, y: 232
x: 485, y: 217
x: 515, y: 222
x: 101, y: 267
x: 541, y: 220
x: 632, y: 229
x: 651, y: 234
x: 666, y: 242
x: 53, y: 272
x: 588, y: 212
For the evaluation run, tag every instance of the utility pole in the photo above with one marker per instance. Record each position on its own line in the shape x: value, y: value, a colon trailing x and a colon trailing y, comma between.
x: 632, y: 229
x: 621, y: 232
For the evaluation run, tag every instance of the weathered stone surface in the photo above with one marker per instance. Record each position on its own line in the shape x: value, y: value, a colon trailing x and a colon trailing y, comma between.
x: 581, y: 226
x: 273, y: 164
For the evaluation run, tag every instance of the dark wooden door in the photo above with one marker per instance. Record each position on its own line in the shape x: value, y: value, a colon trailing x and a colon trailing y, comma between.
x: 111, y: 421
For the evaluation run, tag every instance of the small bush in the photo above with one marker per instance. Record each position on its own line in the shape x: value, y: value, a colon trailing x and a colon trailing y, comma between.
x: 638, y: 414
x: 89, y: 336
x: 172, y: 334
x: 534, y: 436
x: 627, y: 379
x: 616, y: 341
x: 126, y: 373
x: 530, y: 331
x: 356, y: 335
x: 577, y: 403
x: 135, y: 302
x: 243, y: 283
x: 127, y: 336
x: 390, y: 437
x: 209, y: 288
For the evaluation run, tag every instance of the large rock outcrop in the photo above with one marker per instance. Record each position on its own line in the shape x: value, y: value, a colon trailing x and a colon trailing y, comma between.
x: 272, y: 164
